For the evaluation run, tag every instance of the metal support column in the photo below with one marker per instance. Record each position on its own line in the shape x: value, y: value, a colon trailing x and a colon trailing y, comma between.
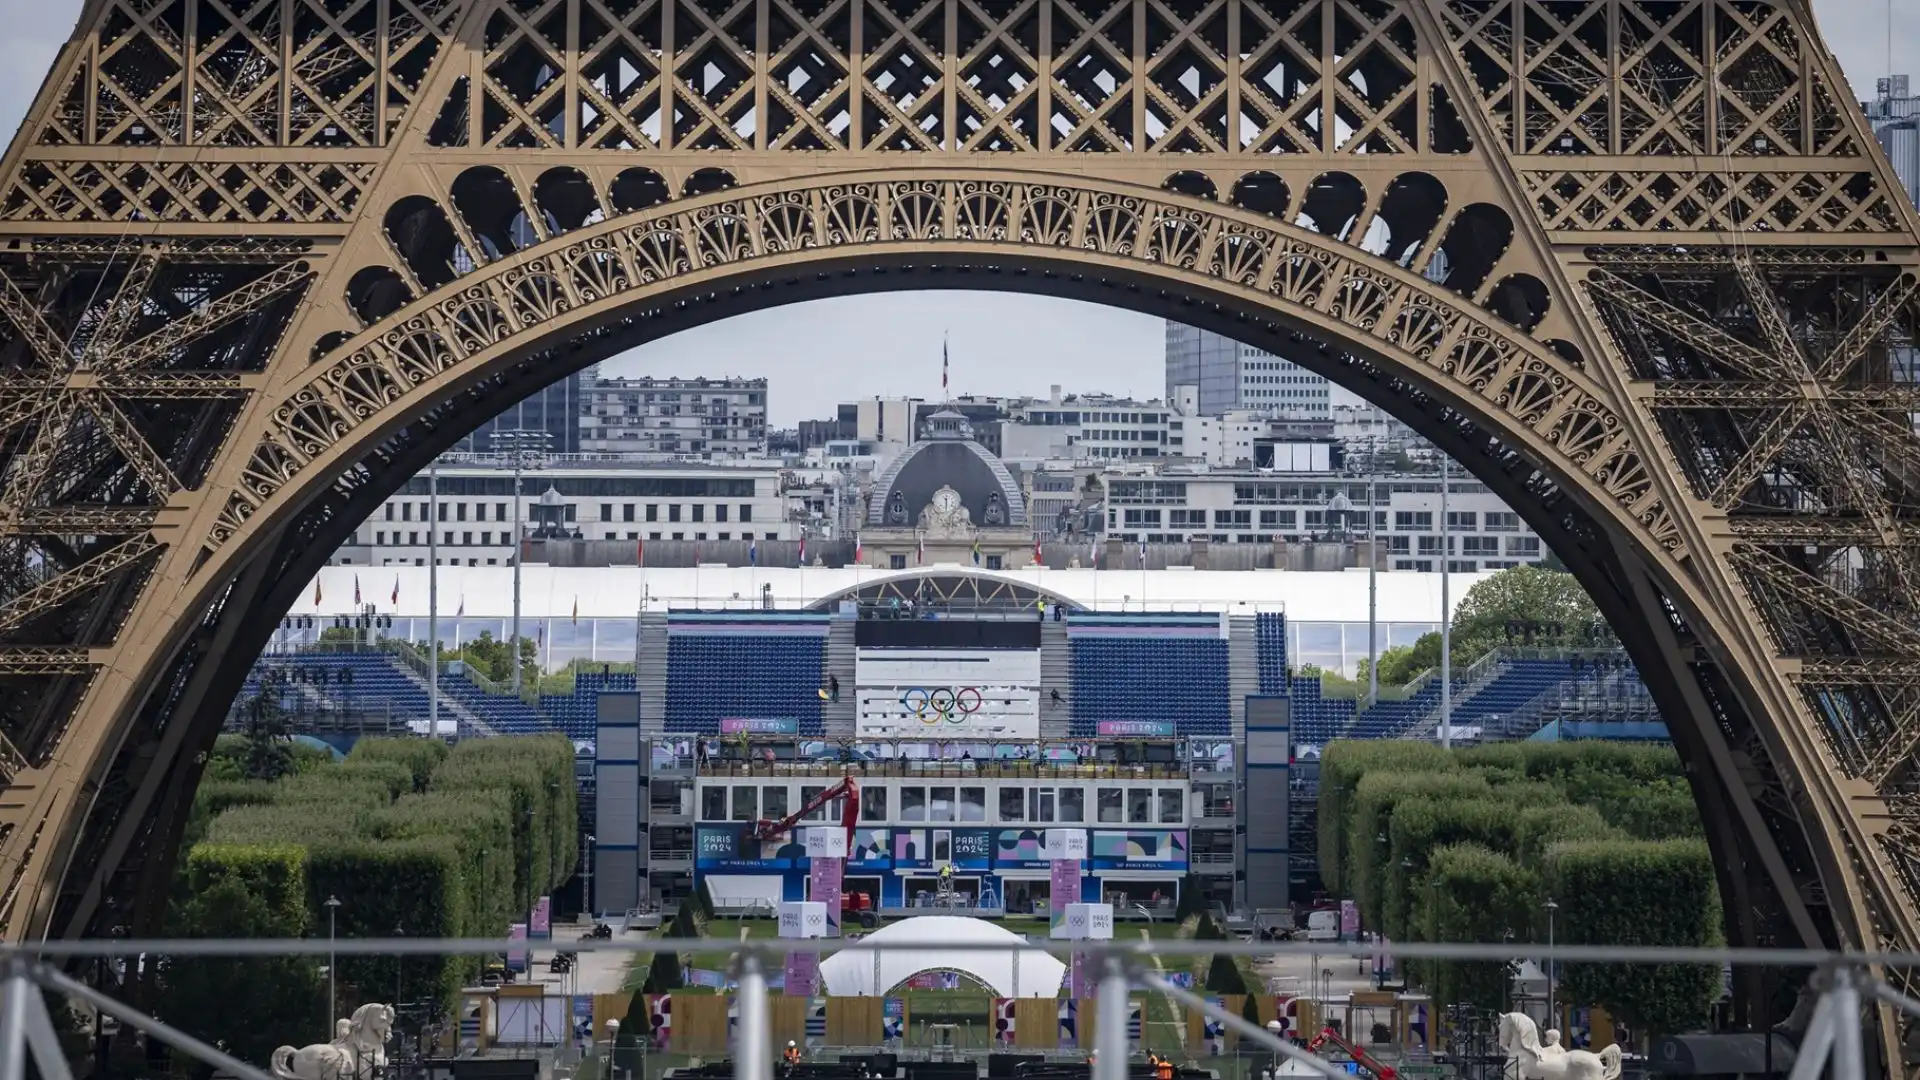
x: 753, y: 1048
x: 433, y: 601
x: 1446, y: 610
x: 1110, y: 1034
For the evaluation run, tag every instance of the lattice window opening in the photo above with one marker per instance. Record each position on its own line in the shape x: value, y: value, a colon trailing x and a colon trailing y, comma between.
x: 1263, y: 193
x: 706, y: 181
x: 1521, y: 299
x: 1474, y: 244
x: 567, y: 200
x: 1332, y: 205
x: 638, y: 189
x: 425, y: 240
x: 35, y: 711
x: 94, y: 608
x: 1799, y: 609
x: 1409, y: 212
x: 1194, y: 185
x: 490, y: 206
x: 619, y: 106
x: 375, y: 292
x: 139, y: 76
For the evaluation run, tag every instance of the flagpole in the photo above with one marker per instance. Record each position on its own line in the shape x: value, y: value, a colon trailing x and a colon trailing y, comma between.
x: 433, y: 602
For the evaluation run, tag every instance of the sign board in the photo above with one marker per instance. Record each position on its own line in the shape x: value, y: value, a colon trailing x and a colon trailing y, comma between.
x: 1349, y: 918
x: 758, y: 725
x: 947, y: 693
x: 517, y: 958
x: 541, y: 926
x: 1128, y: 729
x: 803, y: 919
x: 1086, y: 922
x: 1066, y: 845
x: 830, y: 843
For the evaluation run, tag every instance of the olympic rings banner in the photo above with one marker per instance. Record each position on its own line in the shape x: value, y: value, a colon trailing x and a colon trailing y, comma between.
x: 947, y: 694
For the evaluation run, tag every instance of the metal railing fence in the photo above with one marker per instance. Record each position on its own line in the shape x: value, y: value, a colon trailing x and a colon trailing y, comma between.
x: 1847, y: 982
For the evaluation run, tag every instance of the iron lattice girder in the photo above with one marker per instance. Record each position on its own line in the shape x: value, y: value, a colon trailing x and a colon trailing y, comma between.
x: 75, y: 581
x: 339, y: 159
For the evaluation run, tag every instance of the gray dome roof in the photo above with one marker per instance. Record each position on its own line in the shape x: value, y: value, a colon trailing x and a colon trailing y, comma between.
x: 946, y: 457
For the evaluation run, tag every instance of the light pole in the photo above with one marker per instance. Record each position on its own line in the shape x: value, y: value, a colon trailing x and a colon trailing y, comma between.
x: 333, y: 908
x: 513, y: 650
x: 1446, y: 612
x: 586, y: 878
x: 1551, y: 908
x: 433, y: 599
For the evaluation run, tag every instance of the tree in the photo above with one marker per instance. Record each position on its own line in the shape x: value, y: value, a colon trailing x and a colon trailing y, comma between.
x: 253, y: 1003
x: 1525, y: 605
x: 269, y: 751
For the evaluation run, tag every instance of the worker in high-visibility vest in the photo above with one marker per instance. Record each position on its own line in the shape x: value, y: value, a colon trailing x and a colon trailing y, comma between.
x: 1164, y: 1070
x: 792, y: 1054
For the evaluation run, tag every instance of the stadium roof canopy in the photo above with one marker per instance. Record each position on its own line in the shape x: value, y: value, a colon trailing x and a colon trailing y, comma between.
x: 1021, y: 971
x: 547, y: 592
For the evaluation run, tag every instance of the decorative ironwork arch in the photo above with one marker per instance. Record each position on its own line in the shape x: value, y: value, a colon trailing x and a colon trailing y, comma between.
x: 1675, y: 327
x: 957, y: 586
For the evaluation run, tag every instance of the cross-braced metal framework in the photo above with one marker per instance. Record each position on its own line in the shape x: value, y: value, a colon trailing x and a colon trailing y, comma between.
x: 1636, y: 263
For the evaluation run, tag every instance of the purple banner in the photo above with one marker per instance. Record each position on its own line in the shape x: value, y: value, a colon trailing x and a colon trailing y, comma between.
x: 517, y: 958
x: 1066, y: 890
x: 803, y: 969
x: 542, y: 921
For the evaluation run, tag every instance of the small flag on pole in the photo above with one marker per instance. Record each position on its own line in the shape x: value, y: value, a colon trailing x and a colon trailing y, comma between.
x: 976, y: 552
x: 1143, y: 553
x: 356, y: 590
x: 919, y: 550
x: 753, y: 553
x: 1039, y: 558
x: 395, y: 601
x: 316, y: 592
x: 803, y: 550
x: 576, y: 609
x: 859, y: 550
x: 461, y: 613
x: 943, y: 364
x: 639, y: 553
x: 1093, y: 551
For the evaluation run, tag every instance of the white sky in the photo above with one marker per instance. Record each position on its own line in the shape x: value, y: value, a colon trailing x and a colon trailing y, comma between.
x: 826, y: 351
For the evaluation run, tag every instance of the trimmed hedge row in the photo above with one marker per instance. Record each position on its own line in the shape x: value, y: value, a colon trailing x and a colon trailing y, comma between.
x: 413, y: 839
x: 1468, y: 846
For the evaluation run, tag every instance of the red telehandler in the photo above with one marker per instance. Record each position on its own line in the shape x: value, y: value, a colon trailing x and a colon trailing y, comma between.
x: 856, y: 906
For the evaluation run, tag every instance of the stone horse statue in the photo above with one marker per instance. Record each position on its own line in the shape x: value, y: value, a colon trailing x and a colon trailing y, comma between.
x: 357, y: 1052
x: 1538, y: 1059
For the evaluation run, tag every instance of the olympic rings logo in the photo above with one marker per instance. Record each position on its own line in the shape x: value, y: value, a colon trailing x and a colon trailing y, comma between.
x: 941, y: 703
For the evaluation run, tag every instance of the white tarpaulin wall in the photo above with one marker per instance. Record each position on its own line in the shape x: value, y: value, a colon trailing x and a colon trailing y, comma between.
x: 1019, y: 971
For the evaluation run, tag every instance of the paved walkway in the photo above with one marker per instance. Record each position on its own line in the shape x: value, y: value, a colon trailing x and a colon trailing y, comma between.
x: 597, y: 972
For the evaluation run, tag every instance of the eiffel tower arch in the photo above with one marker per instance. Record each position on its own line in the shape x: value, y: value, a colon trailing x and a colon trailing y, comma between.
x: 1635, y: 263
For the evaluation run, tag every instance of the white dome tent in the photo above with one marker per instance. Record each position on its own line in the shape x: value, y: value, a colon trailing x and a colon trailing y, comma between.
x: 1018, y: 971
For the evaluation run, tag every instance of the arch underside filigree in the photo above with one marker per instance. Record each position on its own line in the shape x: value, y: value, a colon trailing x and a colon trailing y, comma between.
x: 1543, y: 404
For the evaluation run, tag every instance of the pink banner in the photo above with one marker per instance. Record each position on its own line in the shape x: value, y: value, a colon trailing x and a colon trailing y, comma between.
x: 542, y: 922
x: 1066, y: 890
x: 803, y: 969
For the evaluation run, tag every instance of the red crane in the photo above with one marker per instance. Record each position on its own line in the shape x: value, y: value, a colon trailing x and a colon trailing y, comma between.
x: 1359, y: 1056
x: 774, y: 830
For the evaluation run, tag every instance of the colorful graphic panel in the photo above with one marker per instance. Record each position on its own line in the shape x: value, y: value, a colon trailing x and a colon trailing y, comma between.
x: 1139, y: 849
x: 720, y: 847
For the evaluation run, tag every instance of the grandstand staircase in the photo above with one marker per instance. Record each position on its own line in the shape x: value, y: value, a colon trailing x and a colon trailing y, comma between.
x: 1056, y: 673
x: 466, y: 719
x: 651, y: 676
x: 1243, y: 670
x: 838, y: 718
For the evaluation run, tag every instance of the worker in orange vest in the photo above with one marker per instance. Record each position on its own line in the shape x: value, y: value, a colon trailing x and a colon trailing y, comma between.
x: 1164, y: 1069
x: 792, y: 1054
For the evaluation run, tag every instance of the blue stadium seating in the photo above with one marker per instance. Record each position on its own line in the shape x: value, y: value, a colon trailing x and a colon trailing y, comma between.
x: 1317, y: 720
x: 1178, y: 680
x: 1389, y: 718
x: 504, y: 713
x: 577, y: 713
x: 754, y: 676
x: 1270, y: 640
x: 1519, y: 684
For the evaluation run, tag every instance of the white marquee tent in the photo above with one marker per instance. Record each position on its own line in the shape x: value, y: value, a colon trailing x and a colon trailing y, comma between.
x: 1019, y: 971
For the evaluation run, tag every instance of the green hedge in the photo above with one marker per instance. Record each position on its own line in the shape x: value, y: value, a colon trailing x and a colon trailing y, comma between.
x: 420, y: 756
x: 1423, y: 825
x: 412, y: 839
x: 1624, y: 892
x: 1476, y: 841
x: 1480, y: 896
x: 1342, y: 764
x: 1374, y: 802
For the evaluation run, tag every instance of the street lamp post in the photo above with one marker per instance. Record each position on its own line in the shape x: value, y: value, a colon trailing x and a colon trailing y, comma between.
x: 333, y: 964
x: 519, y: 544
x: 433, y: 599
x: 586, y: 877
x: 1551, y: 908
